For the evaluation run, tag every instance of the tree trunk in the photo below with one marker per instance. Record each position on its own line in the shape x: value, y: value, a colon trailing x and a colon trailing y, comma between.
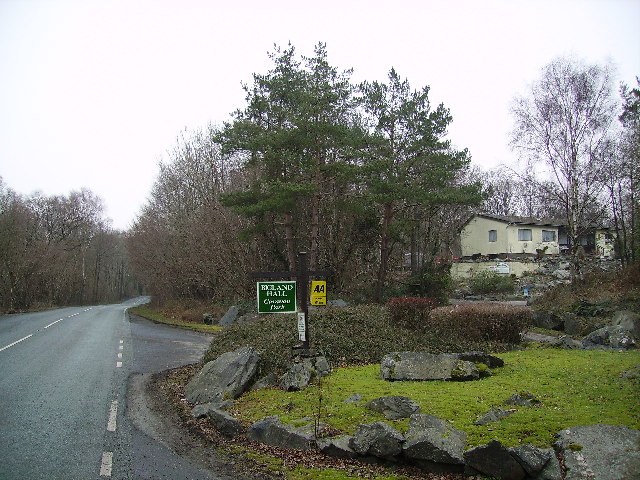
x: 384, y: 251
x: 290, y: 241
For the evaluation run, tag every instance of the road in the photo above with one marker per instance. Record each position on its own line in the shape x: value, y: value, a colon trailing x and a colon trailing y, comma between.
x: 64, y: 411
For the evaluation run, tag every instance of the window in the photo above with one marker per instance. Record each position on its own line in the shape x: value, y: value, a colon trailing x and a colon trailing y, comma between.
x: 493, y: 235
x: 524, y: 234
x: 548, y: 235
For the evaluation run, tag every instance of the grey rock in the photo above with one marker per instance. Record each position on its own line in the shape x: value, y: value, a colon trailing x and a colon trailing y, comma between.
x: 493, y: 415
x: 566, y: 342
x: 547, y: 320
x: 271, y: 431
x: 377, y: 439
x: 532, y: 459
x: 631, y: 374
x: 561, y: 274
x: 201, y: 411
x: 490, y: 361
x: 629, y: 321
x: 303, y: 371
x: 551, y: 470
x: 494, y: 460
x: 611, y: 336
x: 270, y: 380
x: 228, y: 376
x: 230, y: 317
x: 432, y: 439
x: 337, y: 447
x: 522, y: 400
x: 356, y: 397
x: 427, y: 366
x: 297, y: 378
x: 394, y: 407
x: 603, y: 452
x: 225, y: 423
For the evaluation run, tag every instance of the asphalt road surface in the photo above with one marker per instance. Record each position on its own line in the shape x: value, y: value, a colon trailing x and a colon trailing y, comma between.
x: 64, y: 411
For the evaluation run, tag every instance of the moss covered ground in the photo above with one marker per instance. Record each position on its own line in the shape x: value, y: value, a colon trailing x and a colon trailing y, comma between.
x: 574, y: 388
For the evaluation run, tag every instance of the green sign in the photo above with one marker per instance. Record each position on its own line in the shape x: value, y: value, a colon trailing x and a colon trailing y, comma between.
x: 277, y: 297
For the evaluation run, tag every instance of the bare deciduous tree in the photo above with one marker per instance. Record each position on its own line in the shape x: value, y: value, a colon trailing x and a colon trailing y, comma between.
x: 564, y: 123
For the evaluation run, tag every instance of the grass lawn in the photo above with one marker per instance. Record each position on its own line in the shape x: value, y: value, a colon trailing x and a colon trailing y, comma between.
x: 156, y: 316
x: 575, y: 387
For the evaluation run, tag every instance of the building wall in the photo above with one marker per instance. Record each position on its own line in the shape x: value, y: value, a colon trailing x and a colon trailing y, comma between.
x: 474, y: 238
x: 530, y: 246
x: 463, y: 270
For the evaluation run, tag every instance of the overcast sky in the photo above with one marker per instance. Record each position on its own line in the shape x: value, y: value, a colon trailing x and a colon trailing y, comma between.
x: 93, y: 93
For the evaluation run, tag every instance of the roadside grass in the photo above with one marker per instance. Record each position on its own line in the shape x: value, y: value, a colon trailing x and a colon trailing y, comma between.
x: 158, y: 316
x: 574, y: 388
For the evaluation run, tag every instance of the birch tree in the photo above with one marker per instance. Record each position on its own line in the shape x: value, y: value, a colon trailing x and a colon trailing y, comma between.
x: 564, y: 123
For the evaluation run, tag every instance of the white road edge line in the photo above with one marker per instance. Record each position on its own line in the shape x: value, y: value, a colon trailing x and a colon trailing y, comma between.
x: 51, y: 324
x: 16, y: 342
x: 106, y: 464
x: 113, y: 414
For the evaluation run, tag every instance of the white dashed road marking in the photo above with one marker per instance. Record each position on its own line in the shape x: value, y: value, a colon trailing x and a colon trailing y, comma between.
x: 16, y: 342
x: 53, y: 323
x: 113, y: 414
x: 107, y: 464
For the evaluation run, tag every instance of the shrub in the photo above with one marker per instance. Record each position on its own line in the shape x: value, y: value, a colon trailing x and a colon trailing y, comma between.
x: 490, y: 282
x: 347, y: 336
x: 487, y: 322
x: 410, y: 312
x: 434, y: 282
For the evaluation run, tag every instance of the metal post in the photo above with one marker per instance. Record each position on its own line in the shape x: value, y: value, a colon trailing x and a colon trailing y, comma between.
x: 303, y: 279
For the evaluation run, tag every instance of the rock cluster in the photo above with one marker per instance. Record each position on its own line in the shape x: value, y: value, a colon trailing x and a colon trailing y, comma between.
x: 606, y: 452
x: 428, y: 366
x: 623, y: 333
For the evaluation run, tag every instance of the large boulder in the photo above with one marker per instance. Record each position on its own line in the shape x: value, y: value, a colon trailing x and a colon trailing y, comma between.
x: 337, y: 446
x: 432, y: 439
x: 605, y: 452
x: 271, y: 431
x: 490, y: 361
x: 427, y: 366
x: 612, y: 336
x: 225, y: 423
x: 377, y: 439
x: 494, y: 460
x: 531, y: 458
x: 228, y: 376
x: 230, y: 316
x: 567, y: 342
x: 394, y: 407
x: 629, y: 321
x: 547, y: 320
x: 303, y: 371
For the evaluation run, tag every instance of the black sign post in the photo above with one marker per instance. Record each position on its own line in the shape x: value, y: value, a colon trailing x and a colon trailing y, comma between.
x: 302, y: 276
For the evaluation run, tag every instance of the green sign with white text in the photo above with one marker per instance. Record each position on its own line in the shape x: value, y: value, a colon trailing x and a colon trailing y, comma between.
x: 277, y: 297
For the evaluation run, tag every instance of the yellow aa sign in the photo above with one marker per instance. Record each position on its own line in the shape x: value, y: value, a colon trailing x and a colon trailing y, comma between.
x: 318, y: 292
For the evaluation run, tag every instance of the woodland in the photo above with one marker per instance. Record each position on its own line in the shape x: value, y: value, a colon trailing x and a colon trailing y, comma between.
x: 360, y: 176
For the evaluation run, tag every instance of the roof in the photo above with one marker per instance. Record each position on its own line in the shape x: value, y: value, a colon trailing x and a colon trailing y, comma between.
x: 543, y: 222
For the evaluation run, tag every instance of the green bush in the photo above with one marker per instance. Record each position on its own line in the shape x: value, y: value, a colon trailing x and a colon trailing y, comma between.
x: 434, y: 282
x: 482, y: 322
x: 490, y: 282
x: 347, y: 336
x: 410, y: 312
